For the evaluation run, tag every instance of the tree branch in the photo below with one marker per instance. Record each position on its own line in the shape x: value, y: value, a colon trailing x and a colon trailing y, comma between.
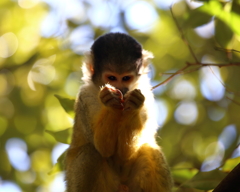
x: 197, y: 63
x: 231, y: 182
x: 169, y: 78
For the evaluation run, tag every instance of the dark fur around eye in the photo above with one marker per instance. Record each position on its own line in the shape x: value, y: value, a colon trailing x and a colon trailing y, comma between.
x: 126, y: 78
x: 112, y: 78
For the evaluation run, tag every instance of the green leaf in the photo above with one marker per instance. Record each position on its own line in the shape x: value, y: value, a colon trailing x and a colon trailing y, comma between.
x: 67, y: 104
x: 229, y: 151
x: 197, y: 18
x: 223, y: 33
x: 235, y: 18
x: 230, y: 164
x: 212, y: 7
x: 203, y: 14
x: 63, y: 136
x: 206, y: 180
x: 59, y: 166
x: 183, y: 175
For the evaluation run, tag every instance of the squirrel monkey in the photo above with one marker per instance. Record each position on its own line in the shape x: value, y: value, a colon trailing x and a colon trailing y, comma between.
x: 113, y: 146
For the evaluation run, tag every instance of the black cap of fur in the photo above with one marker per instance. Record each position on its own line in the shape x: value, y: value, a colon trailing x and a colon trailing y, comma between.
x: 116, y: 51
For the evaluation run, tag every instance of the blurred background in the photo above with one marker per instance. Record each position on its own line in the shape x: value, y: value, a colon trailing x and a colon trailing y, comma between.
x: 42, y: 43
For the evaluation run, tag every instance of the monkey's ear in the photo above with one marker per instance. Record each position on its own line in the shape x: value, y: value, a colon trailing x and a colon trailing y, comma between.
x: 146, y: 57
x: 87, y: 67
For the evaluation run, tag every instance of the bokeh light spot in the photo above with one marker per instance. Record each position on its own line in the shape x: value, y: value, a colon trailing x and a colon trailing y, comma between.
x: 103, y: 14
x: 141, y: 15
x: 215, y: 152
x: 211, y: 86
x: 216, y: 113
x: 228, y: 136
x: 17, y: 152
x: 42, y: 72
x: 162, y: 112
x: 27, y: 177
x: 81, y: 39
x: 41, y: 161
x: 165, y: 4
x: 8, y: 186
x: 27, y: 4
x: 72, y: 84
x: 183, y: 90
x: 207, y: 30
x: 186, y: 113
x: 8, y: 45
x: 58, y: 150
x: 58, y: 184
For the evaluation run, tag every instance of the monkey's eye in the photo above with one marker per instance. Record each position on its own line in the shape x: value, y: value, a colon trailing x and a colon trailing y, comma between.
x: 126, y: 78
x: 112, y: 78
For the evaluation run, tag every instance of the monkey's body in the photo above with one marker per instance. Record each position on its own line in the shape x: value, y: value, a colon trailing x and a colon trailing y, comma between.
x: 112, y: 149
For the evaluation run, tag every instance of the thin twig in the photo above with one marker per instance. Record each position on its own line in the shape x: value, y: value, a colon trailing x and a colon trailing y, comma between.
x: 169, y: 78
x: 197, y: 63
x: 233, y: 101
x: 223, y: 84
x: 214, y: 64
x: 226, y: 50
x: 183, y: 37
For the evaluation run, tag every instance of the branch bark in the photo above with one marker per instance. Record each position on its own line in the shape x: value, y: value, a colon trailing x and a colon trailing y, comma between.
x: 231, y: 183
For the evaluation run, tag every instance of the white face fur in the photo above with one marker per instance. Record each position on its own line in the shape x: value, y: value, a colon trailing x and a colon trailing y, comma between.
x: 119, y: 81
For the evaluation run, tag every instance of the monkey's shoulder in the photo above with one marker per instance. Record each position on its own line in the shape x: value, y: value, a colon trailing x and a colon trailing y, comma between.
x: 88, y: 98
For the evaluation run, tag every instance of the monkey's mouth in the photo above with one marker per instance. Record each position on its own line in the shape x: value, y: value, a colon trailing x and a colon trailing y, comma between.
x: 124, y: 91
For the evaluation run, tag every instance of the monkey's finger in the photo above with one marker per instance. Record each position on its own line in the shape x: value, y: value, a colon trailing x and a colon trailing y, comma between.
x: 135, y: 101
x: 135, y: 96
x: 105, y: 96
x: 113, y: 103
x: 109, y: 99
x: 135, y: 93
x: 115, y: 92
x: 106, y: 93
x: 130, y: 104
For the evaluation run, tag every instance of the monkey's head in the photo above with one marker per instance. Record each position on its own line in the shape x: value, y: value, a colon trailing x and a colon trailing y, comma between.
x: 117, y: 60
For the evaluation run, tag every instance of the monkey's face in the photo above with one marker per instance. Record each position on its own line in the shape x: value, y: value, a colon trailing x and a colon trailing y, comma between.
x: 119, y: 81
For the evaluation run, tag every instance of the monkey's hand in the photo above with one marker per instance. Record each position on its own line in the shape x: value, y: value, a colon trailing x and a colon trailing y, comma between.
x: 111, y: 97
x: 133, y: 100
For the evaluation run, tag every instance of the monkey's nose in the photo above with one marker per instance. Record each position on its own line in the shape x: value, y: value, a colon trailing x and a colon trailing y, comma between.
x: 124, y: 90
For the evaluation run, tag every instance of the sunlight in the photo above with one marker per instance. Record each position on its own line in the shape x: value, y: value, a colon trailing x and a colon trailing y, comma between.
x: 183, y: 90
x: 186, y: 113
x: 141, y: 16
x: 211, y: 86
x: 215, y: 152
x: 42, y: 72
x: 58, y: 149
x: 8, y: 186
x: 8, y: 44
x: 17, y: 153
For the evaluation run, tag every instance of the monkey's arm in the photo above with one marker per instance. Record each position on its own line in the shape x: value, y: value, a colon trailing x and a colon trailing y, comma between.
x: 107, y: 121
x: 128, y: 134
x: 116, y: 129
x: 132, y: 124
x: 81, y: 131
x: 105, y: 131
